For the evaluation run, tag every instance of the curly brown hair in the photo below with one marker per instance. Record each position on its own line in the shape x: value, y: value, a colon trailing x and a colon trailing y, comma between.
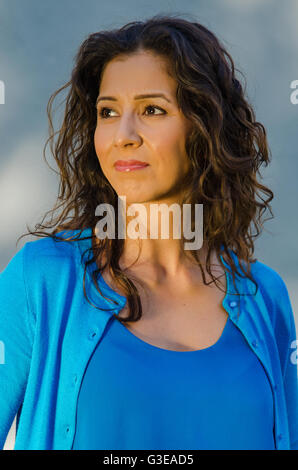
x: 226, y: 146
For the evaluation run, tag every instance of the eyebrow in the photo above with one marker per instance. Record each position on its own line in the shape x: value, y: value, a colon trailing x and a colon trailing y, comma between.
x: 137, y: 97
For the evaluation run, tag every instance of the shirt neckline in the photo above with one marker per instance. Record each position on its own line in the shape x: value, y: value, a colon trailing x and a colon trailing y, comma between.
x: 158, y: 348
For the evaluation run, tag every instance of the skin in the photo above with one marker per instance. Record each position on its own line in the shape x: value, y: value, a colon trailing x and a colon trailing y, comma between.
x: 133, y: 130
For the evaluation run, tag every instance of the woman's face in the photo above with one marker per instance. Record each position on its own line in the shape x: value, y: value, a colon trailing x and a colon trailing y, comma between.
x: 151, y: 129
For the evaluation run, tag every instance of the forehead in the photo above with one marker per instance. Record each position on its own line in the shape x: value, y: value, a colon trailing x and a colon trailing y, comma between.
x: 137, y: 73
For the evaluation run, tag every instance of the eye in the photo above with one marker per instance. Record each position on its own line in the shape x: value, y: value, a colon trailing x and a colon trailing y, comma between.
x: 102, y: 111
x: 155, y: 107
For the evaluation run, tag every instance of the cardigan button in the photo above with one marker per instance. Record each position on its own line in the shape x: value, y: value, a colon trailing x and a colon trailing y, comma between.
x: 233, y: 303
x: 279, y: 437
x: 254, y: 343
x: 93, y: 334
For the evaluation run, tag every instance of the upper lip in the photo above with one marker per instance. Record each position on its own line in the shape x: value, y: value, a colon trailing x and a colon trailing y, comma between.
x: 130, y: 162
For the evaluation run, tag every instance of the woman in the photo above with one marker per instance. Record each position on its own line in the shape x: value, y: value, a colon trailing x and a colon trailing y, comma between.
x: 108, y: 347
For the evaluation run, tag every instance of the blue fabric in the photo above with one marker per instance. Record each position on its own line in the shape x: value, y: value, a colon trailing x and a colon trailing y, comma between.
x: 152, y: 398
x: 49, y: 331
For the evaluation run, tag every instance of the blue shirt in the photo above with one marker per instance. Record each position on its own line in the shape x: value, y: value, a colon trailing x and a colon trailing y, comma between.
x: 49, y: 331
x: 153, y: 398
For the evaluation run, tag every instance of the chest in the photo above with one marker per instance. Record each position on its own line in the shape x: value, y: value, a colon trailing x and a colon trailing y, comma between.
x: 179, y: 323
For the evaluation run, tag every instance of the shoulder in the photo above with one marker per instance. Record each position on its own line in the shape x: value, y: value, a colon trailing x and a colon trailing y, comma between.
x: 63, y: 246
x: 51, y: 270
x: 270, y: 281
x: 47, y: 257
x: 48, y: 245
x: 38, y: 255
x: 274, y: 292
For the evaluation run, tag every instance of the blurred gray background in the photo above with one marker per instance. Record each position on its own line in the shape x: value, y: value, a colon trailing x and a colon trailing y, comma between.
x: 38, y: 42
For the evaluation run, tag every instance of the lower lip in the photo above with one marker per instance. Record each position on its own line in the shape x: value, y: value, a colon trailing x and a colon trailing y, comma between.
x: 130, y: 167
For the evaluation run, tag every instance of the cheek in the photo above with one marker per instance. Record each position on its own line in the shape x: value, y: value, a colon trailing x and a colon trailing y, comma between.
x: 96, y: 140
x: 172, y: 149
x: 100, y: 144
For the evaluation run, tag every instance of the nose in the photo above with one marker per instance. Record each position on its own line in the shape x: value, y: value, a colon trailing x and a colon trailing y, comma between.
x: 126, y: 132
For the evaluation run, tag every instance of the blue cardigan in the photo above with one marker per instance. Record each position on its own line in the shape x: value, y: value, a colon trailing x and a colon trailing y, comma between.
x: 48, y: 332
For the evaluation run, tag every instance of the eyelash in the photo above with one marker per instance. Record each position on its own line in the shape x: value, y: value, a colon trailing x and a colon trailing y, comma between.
x: 100, y: 111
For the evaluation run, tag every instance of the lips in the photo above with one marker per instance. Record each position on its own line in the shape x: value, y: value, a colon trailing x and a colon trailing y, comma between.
x: 130, y: 163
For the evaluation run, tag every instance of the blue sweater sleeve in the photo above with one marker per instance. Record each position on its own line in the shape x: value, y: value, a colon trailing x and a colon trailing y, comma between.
x: 290, y: 372
x: 16, y: 337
